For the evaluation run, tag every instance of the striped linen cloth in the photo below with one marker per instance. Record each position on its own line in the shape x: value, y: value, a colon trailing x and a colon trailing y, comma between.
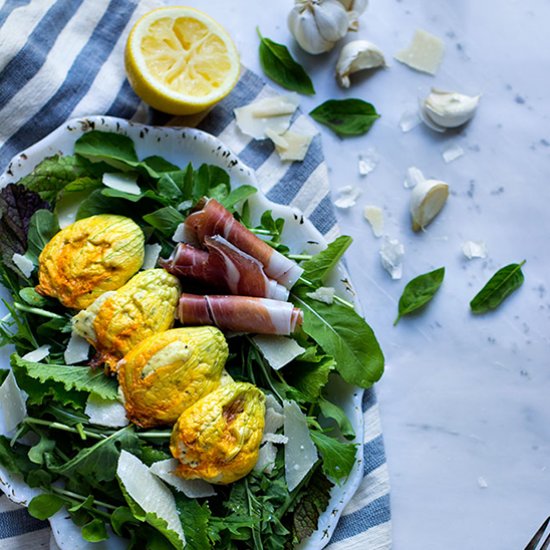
x: 63, y: 59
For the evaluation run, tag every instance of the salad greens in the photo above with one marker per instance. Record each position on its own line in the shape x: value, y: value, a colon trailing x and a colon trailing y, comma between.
x: 74, y: 462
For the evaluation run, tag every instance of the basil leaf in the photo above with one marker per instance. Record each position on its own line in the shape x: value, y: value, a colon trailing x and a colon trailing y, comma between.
x: 346, y: 117
x: 279, y: 65
x: 499, y: 286
x: 419, y: 292
x: 316, y: 269
x: 45, y: 506
x: 344, y: 335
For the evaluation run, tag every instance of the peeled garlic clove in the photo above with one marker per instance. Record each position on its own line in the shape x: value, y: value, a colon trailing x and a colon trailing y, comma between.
x: 356, y: 56
x: 427, y: 199
x: 449, y: 109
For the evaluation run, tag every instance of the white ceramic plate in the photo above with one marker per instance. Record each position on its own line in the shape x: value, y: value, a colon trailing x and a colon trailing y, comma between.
x: 181, y: 146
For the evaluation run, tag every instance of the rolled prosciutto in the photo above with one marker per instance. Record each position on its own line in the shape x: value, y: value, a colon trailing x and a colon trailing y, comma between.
x: 240, y: 314
x: 215, y: 219
x: 225, y: 268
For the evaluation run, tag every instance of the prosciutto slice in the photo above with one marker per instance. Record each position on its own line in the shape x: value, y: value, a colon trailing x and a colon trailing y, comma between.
x: 225, y: 268
x: 215, y: 219
x: 240, y: 314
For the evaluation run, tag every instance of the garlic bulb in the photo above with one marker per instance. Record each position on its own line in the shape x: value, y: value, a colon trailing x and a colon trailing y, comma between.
x: 354, y: 8
x: 441, y: 110
x: 318, y: 24
x: 356, y: 56
x: 427, y: 199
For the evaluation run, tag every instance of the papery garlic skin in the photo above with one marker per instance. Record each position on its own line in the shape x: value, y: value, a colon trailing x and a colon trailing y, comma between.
x: 427, y: 199
x: 318, y: 24
x: 357, y: 56
x: 449, y: 109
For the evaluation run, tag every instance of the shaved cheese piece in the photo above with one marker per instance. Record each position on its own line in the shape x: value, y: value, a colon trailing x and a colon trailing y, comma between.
x: 273, y: 113
x: 149, y: 492
x: 151, y: 256
x: 413, y: 178
x: 274, y: 420
x: 368, y: 162
x: 191, y: 488
x: 409, y: 120
x: 105, y: 412
x: 67, y: 205
x: 474, y: 249
x: 482, y: 482
x: 277, y: 139
x: 266, y: 458
x: 300, y: 451
x: 272, y: 403
x: 38, y: 354
x: 295, y: 147
x: 179, y: 233
x: 424, y: 54
x: 13, y: 408
x: 77, y: 350
x: 453, y: 152
x: 276, y: 438
x: 23, y: 263
x: 391, y: 255
x: 323, y: 294
x: 126, y: 183
x: 347, y: 196
x: 375, y: 216
x: 278, y: 351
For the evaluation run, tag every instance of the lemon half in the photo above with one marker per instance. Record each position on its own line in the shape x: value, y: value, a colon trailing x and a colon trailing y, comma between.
x: 180, y: 61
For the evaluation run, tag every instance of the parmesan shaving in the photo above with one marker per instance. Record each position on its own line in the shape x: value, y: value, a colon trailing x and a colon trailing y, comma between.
x: 323, y: 294
x: 179, y: 234
x: 126, y: 183
x: 375, y: 216
x: 368, y: 162
x: 13, y: 408
x: 149, y: 492
x: 474, y: 249
x: 424, y: 54
x: 271, y: 113
x: 347, y: 196
x: 274, y: 420
x: 151, y: 256
x: 23, y: 263
x: 278, y: 351
x: 295, y: 145
x: 453, y: 152
x: 191, y: 488
x: 391, y: 255
x: 38, y: 354
x: 409, y: 120
x: 300, y: 451
x: 276, y: 438
x: 266, y: 458
x: 105, y: 412
x: 77, y: 350
x: 413, y: 177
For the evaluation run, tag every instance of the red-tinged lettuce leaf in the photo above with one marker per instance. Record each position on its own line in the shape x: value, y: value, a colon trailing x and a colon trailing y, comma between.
x: 17, y: 206
x: 344, y: 335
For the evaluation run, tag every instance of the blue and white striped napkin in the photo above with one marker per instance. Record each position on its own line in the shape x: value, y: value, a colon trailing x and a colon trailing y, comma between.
x: 63, y: 59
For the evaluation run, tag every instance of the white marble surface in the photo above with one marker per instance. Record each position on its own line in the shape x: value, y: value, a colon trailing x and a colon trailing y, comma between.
x: 465, y: 399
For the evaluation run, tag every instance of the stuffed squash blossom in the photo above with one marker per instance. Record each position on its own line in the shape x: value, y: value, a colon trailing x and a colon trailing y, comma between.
x: 218, y: 438
x: 89, y: 257
x: 168, y: 372
x: 118, y: 322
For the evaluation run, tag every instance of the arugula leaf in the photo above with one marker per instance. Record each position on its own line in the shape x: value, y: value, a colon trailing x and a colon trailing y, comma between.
x: 194, y: 519
x: 94, y: 531
x: 309, y: 377
x: 344, y: 335
x: 82, y: 379
x: 121, y: 517
x: 330, y: 410
x: 318, y: 267
x: 45, y: 506
x: 99, y: 461
x: 165, y: 220
x: 14, y: 458
x: 159, y: 164
x: 55, y: 173
x: 43, y: 226
x: 338, y: 458
x: 280, y: 66
x: 238, y: 195
x: 419, y: 291
x: 44, y: 446
x: 346, y: 117
x: 32, y: 298
x: 499, y: 287
x: 115, y: 149
x: 97, y: 203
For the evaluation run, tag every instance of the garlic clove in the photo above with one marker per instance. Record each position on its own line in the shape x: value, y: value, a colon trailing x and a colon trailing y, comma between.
x: 303, y: 27
x: 427, y: 199
x: 331, y: 18
x: 357, y: 56
x: 449, y: 109
x: 425, y: 118
x: 354, y: 8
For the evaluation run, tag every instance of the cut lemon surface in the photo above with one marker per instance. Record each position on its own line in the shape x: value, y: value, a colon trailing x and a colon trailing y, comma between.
x: 180, y: 61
